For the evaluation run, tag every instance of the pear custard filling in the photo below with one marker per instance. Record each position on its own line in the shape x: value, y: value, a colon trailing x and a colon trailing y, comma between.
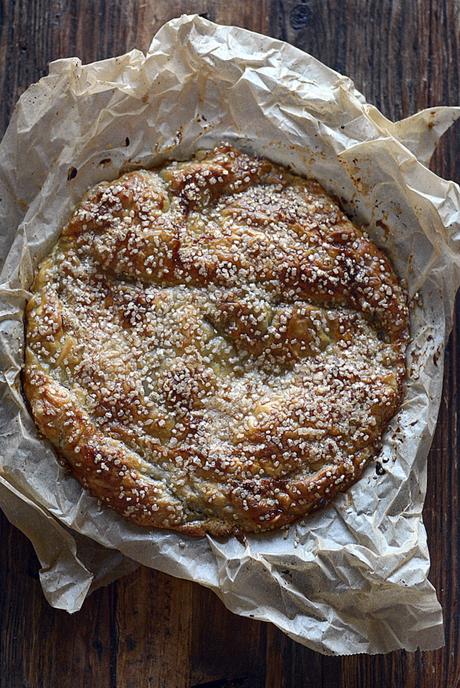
x: 213, y: 347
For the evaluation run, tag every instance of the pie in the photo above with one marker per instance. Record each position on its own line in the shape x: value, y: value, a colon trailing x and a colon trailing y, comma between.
x: 212, y: 346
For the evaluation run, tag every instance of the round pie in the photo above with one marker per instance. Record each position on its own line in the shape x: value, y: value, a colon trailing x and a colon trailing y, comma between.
x: 213, y: 346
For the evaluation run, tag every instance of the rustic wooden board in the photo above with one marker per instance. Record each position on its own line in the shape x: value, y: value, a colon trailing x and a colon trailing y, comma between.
x: 151, y: 630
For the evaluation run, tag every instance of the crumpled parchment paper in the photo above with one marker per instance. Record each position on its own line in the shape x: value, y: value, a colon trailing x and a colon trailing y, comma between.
x: 351, y: 578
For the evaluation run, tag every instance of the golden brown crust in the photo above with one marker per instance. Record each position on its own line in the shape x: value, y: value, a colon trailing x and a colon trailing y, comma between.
x: 213, y: 346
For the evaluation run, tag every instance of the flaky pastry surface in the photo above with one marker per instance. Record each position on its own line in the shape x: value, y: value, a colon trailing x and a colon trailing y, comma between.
x: 213, y: 347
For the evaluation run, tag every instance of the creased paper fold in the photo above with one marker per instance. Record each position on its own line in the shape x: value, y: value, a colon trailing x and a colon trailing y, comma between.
x: 352, y: 578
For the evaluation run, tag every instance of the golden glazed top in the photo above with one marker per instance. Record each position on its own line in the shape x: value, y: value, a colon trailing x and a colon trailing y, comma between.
x: 213, y: 347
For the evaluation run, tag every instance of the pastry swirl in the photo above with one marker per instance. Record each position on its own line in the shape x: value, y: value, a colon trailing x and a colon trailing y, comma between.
x: 213, y: 347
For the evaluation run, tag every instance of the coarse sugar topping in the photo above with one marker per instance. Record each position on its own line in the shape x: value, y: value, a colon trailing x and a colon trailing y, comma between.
x: 212, y: 346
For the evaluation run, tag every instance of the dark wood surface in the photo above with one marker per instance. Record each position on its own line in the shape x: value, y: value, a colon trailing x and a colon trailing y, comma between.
x: 150, y: 630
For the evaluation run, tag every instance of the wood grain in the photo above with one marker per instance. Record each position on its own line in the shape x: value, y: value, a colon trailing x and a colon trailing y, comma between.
x: 222, y: 648
x: 40, y: 647
x: 152, y: 614
x: 151, y: 630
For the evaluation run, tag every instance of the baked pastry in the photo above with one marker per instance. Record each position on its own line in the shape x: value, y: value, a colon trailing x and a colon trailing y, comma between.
x: 213, y: 347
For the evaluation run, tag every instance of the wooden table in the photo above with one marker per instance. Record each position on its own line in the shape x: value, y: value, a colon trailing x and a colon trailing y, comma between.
x: 150, y: 630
